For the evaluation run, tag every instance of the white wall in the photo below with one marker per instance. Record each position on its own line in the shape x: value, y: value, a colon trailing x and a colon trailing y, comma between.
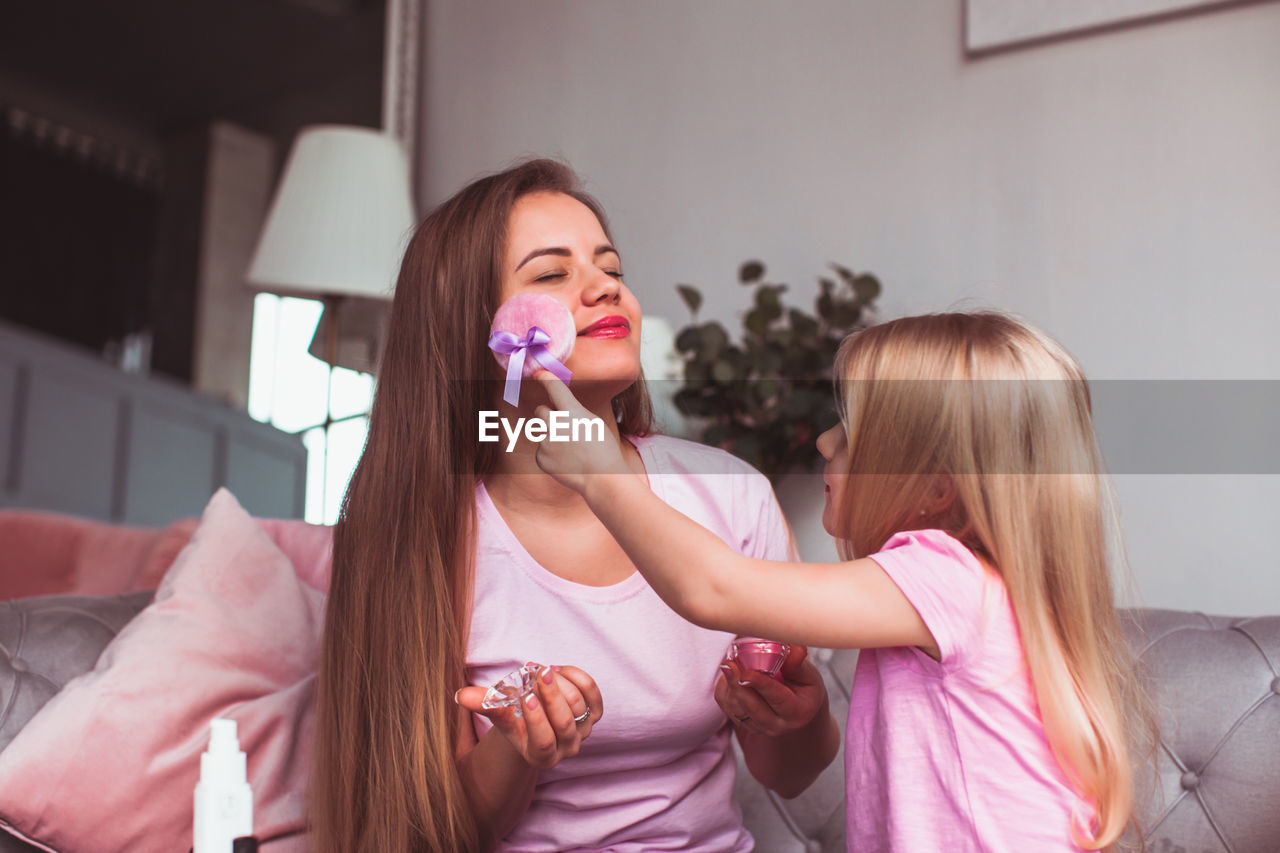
x: 1121, y: 190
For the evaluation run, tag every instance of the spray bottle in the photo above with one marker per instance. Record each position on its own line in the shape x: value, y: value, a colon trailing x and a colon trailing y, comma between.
x: 223, y: 800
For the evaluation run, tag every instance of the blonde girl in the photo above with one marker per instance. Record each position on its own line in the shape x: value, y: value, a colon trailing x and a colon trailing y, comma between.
x: 964, y: 487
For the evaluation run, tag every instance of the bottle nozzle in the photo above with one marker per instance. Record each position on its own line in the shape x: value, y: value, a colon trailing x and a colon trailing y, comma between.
x: 223, y: 760
x: 222, y: 736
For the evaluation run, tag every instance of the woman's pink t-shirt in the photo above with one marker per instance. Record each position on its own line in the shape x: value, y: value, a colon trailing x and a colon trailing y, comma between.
x: 657, y: 772
x: 951, y: 755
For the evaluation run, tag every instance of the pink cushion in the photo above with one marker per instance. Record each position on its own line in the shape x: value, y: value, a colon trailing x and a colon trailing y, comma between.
x: 308, y: 546
x: 44, y: 553
x: 111, y: 762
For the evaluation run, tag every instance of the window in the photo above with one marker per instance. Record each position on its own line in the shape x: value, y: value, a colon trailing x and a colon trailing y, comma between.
x: 298, y: 393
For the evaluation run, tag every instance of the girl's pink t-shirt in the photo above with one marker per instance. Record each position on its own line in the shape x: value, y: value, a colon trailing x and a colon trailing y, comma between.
x: 951, y: 755
x: 657, y: 772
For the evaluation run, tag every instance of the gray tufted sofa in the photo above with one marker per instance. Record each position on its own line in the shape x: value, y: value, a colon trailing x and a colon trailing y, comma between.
x: 1215, y: 682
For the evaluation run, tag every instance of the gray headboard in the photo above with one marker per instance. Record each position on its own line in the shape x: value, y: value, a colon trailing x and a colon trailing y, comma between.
x: 81, y: 437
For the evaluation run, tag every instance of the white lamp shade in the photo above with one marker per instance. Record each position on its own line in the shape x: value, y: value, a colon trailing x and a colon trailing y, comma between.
x: 341, y: 216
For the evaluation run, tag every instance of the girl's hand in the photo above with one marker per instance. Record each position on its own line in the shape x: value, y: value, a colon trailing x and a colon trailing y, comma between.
x: 570, y: 462
x: 766, y: 705
x: 543, y: 730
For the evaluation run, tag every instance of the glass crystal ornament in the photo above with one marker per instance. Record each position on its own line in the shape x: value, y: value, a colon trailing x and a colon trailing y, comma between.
x: 510, y: 690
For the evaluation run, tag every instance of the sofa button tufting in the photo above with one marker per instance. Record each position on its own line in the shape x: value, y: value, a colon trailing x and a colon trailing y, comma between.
x: 1275, y: 685
x: 18, y: 664
x: 1190, y: 781
x: 813, y: 845
x: 824, y: 655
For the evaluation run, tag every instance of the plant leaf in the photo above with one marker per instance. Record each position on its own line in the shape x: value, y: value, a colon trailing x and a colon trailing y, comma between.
x: 695, y: 372
x: 767, y: 296
x: 867, y: 287
x: 846, y: 315
x: 804, y: 326
x: 689, y: 339
x: 715, y: 434
x: 764, y: 393
x: 722, y: 371
x: 825, y: 303
x: 749, y: 447
x: 692, y: 297
x: 714, y: 338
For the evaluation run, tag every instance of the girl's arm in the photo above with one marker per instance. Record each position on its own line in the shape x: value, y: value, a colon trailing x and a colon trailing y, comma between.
x: 838, y: 605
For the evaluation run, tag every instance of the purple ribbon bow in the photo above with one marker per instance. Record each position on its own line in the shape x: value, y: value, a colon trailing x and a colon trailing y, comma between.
x: 535, y: 344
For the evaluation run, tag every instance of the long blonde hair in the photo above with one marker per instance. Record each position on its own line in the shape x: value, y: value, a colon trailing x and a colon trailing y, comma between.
x: 986, y: 423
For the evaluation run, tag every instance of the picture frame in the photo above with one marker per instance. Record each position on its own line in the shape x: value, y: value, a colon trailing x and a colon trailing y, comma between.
x: 995, y: 25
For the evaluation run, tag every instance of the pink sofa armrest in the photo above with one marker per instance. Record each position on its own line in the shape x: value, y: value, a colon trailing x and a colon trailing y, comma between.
x: 44, y: 553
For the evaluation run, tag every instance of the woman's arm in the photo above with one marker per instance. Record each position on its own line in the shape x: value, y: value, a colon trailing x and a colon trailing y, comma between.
x: 839, y: 605
x: 500, y: 770
x: 497, y: 780
x: 786, y: 730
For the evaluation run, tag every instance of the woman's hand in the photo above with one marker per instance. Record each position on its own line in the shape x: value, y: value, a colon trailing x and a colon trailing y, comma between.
x: 757, y: 703
x: 543, y: 729
x: 570, y: 462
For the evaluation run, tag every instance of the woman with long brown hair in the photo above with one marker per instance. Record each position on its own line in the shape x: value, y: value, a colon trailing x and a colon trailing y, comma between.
x: 456, y: 561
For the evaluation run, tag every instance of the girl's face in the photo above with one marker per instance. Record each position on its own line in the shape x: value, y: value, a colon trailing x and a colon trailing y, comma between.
x: 555, y: 245
x: 834, y: 447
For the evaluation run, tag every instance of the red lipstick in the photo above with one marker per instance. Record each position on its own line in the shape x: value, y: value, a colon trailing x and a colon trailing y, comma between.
x: 613, y: 326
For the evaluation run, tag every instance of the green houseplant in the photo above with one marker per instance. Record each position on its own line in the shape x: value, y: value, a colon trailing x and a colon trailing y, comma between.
x: 766, y: 396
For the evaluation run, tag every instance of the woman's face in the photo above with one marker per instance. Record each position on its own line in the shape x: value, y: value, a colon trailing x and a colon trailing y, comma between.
x: 834, y: 447
x: 555, y: 245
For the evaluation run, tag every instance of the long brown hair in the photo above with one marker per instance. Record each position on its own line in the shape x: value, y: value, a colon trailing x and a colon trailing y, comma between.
x: 395, y: 636
x: 1004, y: 412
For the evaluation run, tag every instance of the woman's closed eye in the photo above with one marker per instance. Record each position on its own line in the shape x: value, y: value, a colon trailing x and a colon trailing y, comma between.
x: 555, y: 276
